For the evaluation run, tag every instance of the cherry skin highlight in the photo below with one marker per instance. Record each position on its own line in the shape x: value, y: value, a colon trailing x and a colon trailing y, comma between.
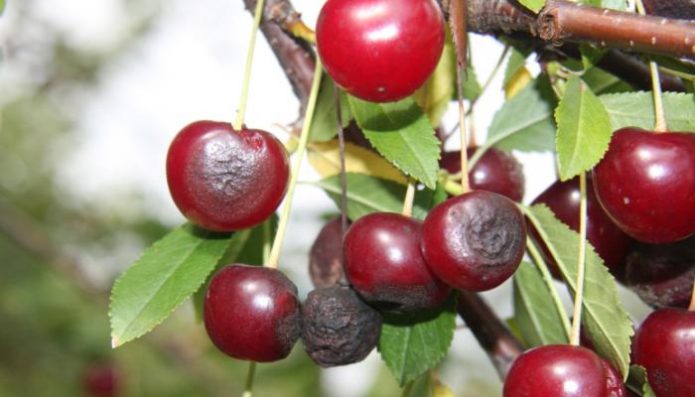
x: 252, y: 313
x: 380, y: 50
x: 610, y: 242
x: 496, y: 171
x: 474, y: 241
x: 664, y: 344
x: 646, y: 184
x: 384, y: 265
x: 225, y: 180
x: 560, y: 371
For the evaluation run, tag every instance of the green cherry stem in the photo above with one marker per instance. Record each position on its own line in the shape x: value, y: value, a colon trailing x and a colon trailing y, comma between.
x: 301, y: 149
x: 660, y: 122
x: 581, y: 264
x: 241, y: 113
x: 409, y: 199
x: 248, y: 387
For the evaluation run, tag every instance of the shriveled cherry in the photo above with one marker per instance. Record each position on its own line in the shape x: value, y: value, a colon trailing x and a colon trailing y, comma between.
x: 384, y: 265
x: 380, y: 50
x: 664, y: 344
x: 474, y: 241
x: 225, y: 180
x: 326, y: 255
x: 252, y: 313
x: 496, y: 171
x: 561, y: 371
x: 338, y: 328
x: 610, y: 242
x: 646, y: 184
x: 662, y: 275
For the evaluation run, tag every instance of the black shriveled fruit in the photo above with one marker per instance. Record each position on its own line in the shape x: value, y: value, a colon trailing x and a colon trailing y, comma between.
x: 662, y: 275
x: 326, y: 255
x: 338, y: 328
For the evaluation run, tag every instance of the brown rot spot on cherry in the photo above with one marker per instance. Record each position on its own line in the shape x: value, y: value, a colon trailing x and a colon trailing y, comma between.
x: 326, y: 255
x: 474, y: 241
x: 338, y: 327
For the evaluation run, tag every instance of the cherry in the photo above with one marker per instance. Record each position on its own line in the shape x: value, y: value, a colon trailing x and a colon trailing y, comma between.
x: 326, y: 255
x: 610, y: 242
x: 225, y: 180
x: 384, y: 265
x: 380, y: 50
x: 679, y: 9
x: 664, y: 344
x: 561, y: 371
x: 496, y: 171
x: 252, y: 313
x: 101, y: 380
x: 474, y: 241
x: 662, y: 275
x: 646, y: 184
x: 338, y: 328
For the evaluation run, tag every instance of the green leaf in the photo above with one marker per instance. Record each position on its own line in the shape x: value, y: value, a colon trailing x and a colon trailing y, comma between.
x: 367, y: 194
x: 583, y: 130
x: 324, y: 126
x: 525, y: 122
x: 620, y: 5
x: 604, y: 318
x: 402, y: 134
x: 636, y: 109
x: 2, y: 6
x: 534, y: 312
x: 471, y: 86
x: 533, y: 5
x: 637, y: 381
x: 602, y: 82
x: 410, y: 345
x: 166, y: 274
x: 434, y: 96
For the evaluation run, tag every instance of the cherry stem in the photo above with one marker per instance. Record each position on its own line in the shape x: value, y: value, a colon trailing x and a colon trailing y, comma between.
x: 409, y: 199
x: 581, y: 264
x: 341, y: 155
x: 241, y: 113
x: 248, y: 388
x: 301, y: 149
x: 660, y: 123
x: 548, y: 280
x: 462, y: 122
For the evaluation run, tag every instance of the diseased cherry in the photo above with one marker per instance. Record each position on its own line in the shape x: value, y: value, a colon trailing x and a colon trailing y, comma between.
x: 496, y: 171
x: 384, y: 265
x: 561, y: 371
x: 326, y: 255
x: 610, y: 242
x: 380, y: 50
x: 664, y: 344
x: 474, y: 241
x: 252, y: 313
x: 225, y: 180
x: 646, y: 184
x: 662, y: 275
x: 337, y: 327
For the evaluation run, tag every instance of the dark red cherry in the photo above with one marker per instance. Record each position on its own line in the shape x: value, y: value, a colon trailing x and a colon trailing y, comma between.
x: 326, y: 255
x: 362, y: 44
x: 646, y: 184
x: 384, y: 265
x: 560, y: 371
x: 664, y: 344
x: 496, y: 171
x: 224, y: 180
x: 610, y: 242
x: 662, y: 275
x: 252, y: 313
x: 474, y: 241
x: 101, y: 380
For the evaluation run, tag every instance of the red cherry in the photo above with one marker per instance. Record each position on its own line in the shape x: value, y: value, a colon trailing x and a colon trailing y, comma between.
x: 380, y: 50
x: 101, y: 380
x: 561, y: 371
x: 326, y: 255
x: 225, y: 180
x: 384, y: 265
x: 664, y: 344
x: 646, y: 184
x: 496, y: 171
x: 474, y: 241
x: 610, y: 242
x: 252, y: 313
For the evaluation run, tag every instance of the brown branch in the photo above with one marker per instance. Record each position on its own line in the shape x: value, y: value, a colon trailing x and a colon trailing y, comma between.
x: 562, y: 21
x: 497, y: 341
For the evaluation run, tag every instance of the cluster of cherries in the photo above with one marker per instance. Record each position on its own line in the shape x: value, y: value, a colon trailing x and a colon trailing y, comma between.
x: 641, y: 194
